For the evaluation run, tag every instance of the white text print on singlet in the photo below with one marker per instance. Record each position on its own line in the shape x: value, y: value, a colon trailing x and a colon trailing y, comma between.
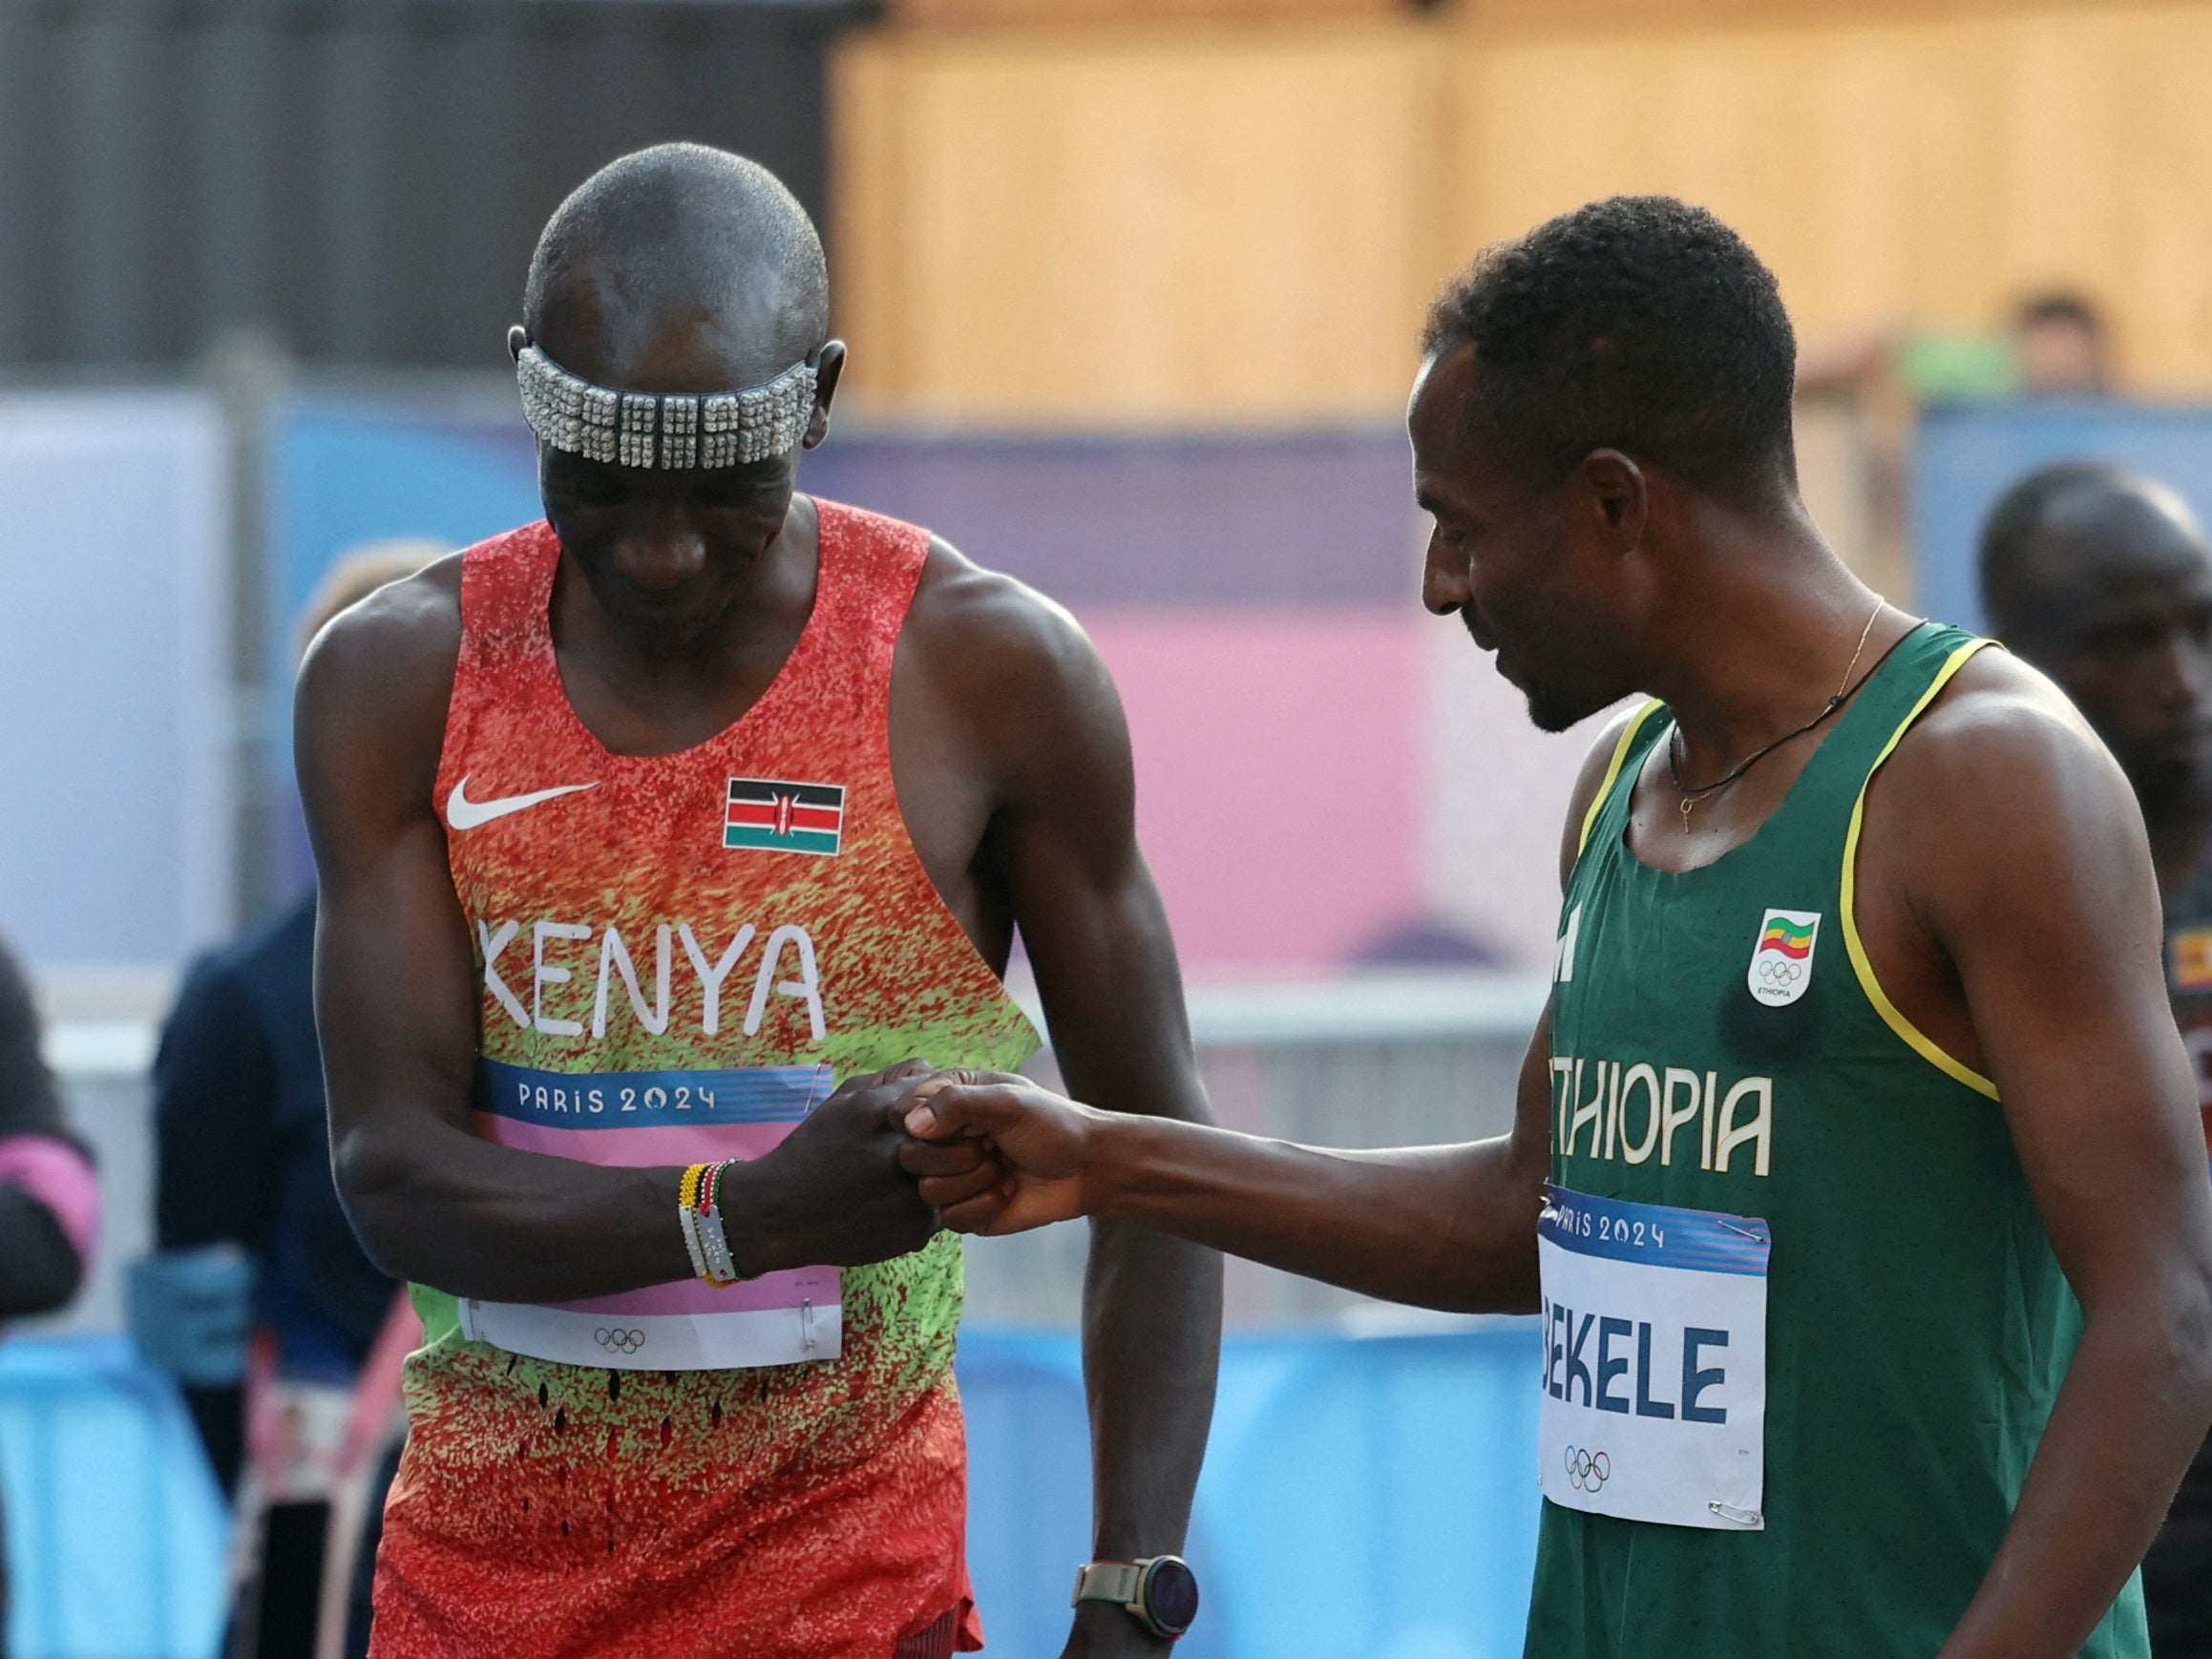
x: 463, y: 814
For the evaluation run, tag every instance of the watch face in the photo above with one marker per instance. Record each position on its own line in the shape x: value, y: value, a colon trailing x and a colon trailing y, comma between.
x: 1171, y: 1595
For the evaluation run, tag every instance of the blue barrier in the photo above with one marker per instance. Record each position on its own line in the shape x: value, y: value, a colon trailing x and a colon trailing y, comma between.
x: 116, y: 1529
x: 1969, y: 454
x: 1375, y: 1496
x: 1362, y: 1495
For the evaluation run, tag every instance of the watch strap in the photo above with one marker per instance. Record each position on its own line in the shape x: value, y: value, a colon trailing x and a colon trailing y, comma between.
x: 1118, y: 1582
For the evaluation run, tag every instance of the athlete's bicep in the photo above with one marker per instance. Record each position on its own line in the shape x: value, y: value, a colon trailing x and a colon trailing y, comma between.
x: 1085, y: 900
x: 2035, y: 880
x: 2025, y: 856
x: 394, y: 973
x: 395, y: 984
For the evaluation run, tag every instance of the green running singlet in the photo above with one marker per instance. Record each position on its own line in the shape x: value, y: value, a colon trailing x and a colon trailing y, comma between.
x: 1917, y: 1323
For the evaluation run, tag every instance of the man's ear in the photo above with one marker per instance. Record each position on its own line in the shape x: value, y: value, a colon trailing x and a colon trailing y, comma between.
x: 1620, y: 495
x: 828, y: 368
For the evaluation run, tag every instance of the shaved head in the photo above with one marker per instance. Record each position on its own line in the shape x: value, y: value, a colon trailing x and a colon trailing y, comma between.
x: 679, y: 269
x: 2069, y: 539
x: 686, y: 273
x: 2101, y: 577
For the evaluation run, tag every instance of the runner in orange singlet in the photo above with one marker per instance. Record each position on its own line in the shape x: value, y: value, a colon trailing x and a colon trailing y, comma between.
x: 648, y: 835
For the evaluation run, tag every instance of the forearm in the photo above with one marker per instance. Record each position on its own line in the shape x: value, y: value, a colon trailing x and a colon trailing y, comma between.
x: 2132, y: 1412
x: 481, y: 1219
x: 1152, y: 1346
x: 435, y: 1204
x: 1438, y: 1226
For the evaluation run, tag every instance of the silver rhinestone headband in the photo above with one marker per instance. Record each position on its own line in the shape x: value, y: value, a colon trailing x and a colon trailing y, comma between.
x: 640, y: 428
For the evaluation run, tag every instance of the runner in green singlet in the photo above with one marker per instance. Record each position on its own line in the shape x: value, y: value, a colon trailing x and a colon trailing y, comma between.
x: 1856, y: 1175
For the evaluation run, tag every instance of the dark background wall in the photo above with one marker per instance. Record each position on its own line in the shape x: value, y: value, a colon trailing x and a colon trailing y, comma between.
x: 364, y: 178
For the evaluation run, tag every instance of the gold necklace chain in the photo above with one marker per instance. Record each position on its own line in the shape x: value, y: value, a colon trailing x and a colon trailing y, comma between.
x: 1689, y: 795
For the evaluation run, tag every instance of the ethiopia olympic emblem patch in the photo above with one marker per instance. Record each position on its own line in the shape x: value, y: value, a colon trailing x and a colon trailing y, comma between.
x: 776, y: 816
x: 1781, y: 962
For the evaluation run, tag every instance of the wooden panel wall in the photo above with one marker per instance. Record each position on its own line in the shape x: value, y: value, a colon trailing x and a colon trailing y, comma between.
x: 1216, y: 227
x: 1060, y: 12
x: 1174, y: 224
x: 1896, y: 172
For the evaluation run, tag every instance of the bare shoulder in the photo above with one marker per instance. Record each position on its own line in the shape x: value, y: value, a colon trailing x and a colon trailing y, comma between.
x: 395, y: 633
x: 375, y: 684
x: 1012, y: 662
x: 2000, y: 743
x: 1999, y: 799
x: 1596, y: 767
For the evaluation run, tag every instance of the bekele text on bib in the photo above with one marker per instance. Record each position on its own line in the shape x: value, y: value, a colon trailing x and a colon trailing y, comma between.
x: 1655, y: 1361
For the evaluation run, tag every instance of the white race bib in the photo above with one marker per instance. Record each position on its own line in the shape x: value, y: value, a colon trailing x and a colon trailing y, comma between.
x: 1655, y: 1361
x: 637, y: 1119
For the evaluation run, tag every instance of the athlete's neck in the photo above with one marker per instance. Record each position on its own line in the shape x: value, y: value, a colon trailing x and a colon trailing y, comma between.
x: 1762, y: 634
x: 650, y: 673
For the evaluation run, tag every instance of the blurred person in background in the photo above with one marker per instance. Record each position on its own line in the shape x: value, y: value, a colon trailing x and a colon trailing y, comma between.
x: 50, y: 1208
x: 2058, y: 343
x: 2051, y: 346
x: 2103, y: 580
x: 260, y: 1298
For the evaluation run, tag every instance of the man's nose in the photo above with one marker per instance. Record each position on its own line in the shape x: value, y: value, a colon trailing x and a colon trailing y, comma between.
x: 1444, y: 579
x: 662, y: 550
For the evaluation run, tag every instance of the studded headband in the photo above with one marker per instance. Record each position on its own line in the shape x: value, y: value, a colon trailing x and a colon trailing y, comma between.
x: 640, y: 428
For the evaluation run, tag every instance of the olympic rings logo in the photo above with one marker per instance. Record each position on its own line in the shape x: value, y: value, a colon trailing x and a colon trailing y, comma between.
x: 618, y: 1340
x: 1779, y: 972
x: 1587, y: 1471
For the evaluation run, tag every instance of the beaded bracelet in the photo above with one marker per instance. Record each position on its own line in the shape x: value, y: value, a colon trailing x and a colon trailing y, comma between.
x: 691, y: 1226
x: 713, y: 1243
x: 687, y: 1191
x: 700, y: 1216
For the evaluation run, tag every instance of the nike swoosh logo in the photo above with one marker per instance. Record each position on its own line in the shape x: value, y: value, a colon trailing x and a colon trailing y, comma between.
x: 463, y: 814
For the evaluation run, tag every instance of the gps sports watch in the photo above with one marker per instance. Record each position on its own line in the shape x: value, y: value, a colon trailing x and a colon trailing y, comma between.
x: 1160, y: 1592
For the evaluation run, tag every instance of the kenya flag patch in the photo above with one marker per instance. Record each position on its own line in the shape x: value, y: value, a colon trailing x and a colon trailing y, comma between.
x: 776, y: 816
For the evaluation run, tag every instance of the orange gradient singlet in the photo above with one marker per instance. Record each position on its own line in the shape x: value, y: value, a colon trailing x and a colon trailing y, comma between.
x: 678, y: 956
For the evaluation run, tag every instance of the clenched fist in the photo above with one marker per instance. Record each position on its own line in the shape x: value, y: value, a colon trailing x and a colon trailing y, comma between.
x: 1039, y: 1142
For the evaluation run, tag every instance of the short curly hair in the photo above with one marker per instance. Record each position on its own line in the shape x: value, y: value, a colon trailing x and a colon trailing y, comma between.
x: 1640, y: 324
